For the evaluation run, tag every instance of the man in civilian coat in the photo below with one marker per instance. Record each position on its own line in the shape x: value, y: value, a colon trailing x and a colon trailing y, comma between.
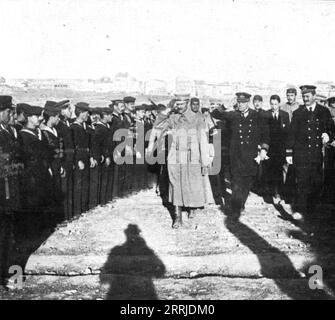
x: 278, y: 122
x: 248, y: 146
x: 311, y: 128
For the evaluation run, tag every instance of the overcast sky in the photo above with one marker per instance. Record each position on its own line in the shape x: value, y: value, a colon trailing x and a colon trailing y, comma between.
x: 214, y: 40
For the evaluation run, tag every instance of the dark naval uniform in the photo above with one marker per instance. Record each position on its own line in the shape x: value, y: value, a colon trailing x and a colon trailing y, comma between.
x: 248, y: 135
x: 101, y: 150
x: 130, y: 166
x: 305, y: 144
x: 278, y: 129
x: 66, y: 142
x: 9, y: 193
x: 94, y: 186
x: 119, y: 170
x: 55, y: 155
x: 9, y: 196
x: 81, y: 141
x: 36, y: 187
x: 329, y: 192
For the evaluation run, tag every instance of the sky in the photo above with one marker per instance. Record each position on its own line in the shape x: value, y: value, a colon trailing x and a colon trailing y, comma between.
x: 213, y: 40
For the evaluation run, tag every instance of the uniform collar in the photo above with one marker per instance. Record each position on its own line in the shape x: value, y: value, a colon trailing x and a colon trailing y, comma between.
x: 51, y: 130
x: 2, y: 127
x: 103, y: 124
x: 36, y: 133
x: 10, y: 129
x: 313, y: 106
x: 83, y: 124
x: 245, y: 113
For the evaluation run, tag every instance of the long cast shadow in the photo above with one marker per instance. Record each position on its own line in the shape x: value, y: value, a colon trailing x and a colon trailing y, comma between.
x: 317, y: 231
x: 274, y: 262
x: 130, y: 269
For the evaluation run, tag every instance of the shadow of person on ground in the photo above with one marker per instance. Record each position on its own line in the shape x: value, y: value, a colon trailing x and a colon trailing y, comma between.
x: 274, y: 263
x: 130, y: 269
x: 23, y: 230
x: 29, y: 231
x: 317, y: 231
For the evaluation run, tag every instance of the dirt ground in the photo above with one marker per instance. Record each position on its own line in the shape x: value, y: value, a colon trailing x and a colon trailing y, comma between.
x: 128, y: 250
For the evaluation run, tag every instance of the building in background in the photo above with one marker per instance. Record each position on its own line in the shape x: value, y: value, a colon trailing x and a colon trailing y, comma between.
x: 184, y: 85
x: 155, y: 87
x: 124, y: 82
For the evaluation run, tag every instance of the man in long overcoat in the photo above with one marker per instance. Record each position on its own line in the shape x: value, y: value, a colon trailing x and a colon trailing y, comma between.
x: 188, y: 159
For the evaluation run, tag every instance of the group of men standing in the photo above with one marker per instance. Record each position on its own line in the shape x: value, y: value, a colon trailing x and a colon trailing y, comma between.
x: 59, y: 161
x: 281, y: 151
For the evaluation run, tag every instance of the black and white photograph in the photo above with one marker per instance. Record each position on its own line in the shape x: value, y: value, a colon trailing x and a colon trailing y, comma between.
x: 180, y: 151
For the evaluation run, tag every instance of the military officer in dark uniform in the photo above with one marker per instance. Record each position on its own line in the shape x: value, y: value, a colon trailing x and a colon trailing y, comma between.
x: 329, y: 172
x: 311, y: 128
x: 82, y: 163
x: 248, y: 146
x: 102, y: 153
x: 66, y: 143
x: 278, y: 122
x: 331, y: 107
x: 215, y: 127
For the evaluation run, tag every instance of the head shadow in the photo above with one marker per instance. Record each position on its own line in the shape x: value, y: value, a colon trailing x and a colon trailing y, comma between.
x: 131, y: 268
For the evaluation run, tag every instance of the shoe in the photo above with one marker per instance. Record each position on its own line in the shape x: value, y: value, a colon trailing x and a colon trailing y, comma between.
x: 191, y: 214
x: 178, y: 220
x: 297, y: 216
x: 276, y: 199
x: 286, y: 206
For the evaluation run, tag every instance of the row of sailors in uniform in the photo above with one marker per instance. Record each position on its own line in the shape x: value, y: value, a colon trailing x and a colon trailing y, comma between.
x: 58, y: 152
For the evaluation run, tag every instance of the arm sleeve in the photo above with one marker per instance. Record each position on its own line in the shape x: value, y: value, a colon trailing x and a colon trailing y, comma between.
x: 330, y: 126
x: 291, y: 135
x: 220, y: 114
x: 204, y: 145
x: 263, y: 123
